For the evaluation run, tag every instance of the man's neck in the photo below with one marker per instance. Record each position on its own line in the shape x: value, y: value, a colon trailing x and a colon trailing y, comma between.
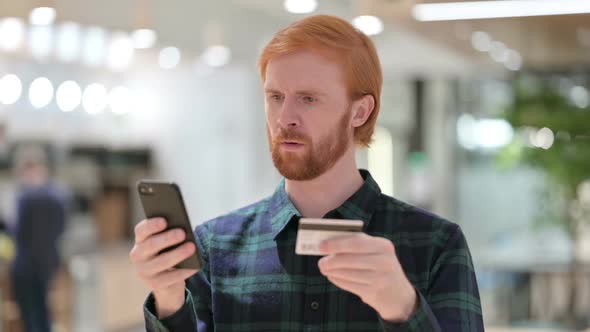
x: 314, y: 198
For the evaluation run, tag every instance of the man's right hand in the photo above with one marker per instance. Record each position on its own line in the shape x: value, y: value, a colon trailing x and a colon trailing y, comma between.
x: 157, y: 271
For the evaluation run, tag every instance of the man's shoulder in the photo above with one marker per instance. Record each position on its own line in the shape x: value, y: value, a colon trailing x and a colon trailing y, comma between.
x: 42, y: 195
x: 420, y: 236
x: 237, y: 219
x: 411, y: 218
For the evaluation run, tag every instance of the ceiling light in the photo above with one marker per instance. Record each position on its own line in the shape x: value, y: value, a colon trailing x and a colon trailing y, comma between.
x: 94, y: 48
x: 483, y: 133
x: 497, y: 9
x: 300, y: 6
x: 68, y: 41
x: 10, y: 89
x: 369, y: 25
x: 94, y: 98
x: 40, y: 92
x: 68, y: 96
x: 12, y: 33
x: 514, y: 61
x: 40, y: 40
x: 169, y: 57
x: 499, y: 51
x: 216, y: 56
x: 493, y: 133
x: 143, y: 38
x: 42, y: 16
x: 120, y: 51
x: 481, y: 41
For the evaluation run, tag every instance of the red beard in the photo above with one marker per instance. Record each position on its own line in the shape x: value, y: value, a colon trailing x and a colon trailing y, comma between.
x: 314, y: 160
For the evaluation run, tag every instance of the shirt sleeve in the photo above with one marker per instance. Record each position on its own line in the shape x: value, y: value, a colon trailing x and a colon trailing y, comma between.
x: 179, y: 321
x: 195, y: 314
x: 452, y: 299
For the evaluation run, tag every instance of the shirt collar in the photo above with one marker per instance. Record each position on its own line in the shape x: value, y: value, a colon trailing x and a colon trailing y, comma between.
x: 359, y: 206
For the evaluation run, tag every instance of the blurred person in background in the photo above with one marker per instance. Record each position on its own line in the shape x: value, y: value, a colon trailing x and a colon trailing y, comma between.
x: 40, y: 220
x: 409, y: 270
x: 6, y: 244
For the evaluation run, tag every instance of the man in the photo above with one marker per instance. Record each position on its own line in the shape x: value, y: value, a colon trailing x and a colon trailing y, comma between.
x: 40, y: 221
x: 408, y: 271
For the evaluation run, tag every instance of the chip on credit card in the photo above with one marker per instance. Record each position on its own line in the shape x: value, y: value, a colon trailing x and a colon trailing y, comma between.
x: 313, y: 231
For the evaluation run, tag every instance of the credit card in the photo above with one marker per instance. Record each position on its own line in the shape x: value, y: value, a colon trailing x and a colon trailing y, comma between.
x: 313, y: 231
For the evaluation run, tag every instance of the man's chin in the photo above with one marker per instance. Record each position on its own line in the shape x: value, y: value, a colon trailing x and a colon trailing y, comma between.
x: 297, y: 171
x: 292, y: 169
x: 297, y: 176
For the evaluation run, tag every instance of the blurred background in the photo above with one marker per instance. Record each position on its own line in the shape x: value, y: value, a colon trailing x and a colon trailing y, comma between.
x: 485, y: 120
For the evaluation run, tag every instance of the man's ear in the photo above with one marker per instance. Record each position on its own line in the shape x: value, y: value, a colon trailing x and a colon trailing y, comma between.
x: 362, y: 109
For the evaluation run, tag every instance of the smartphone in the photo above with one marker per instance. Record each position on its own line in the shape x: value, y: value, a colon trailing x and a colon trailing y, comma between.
x: 163, y: 199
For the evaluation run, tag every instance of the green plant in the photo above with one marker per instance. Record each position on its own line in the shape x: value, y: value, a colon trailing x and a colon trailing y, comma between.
x: 537, y: 103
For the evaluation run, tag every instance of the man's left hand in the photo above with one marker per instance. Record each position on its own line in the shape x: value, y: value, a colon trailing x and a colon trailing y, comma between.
x: 367, y: 266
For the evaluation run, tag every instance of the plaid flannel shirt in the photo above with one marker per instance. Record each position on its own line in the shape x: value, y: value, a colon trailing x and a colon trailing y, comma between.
x: 252, y: 280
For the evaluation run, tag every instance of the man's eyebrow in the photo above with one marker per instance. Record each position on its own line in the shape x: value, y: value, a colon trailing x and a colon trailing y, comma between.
x: 271, y: 90
x: 300, y: 92
x: 310, y: 93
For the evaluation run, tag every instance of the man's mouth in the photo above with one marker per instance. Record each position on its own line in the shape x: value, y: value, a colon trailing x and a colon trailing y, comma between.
x: 291, y: 145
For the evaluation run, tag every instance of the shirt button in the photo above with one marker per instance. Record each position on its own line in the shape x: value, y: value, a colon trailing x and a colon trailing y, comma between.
x: 315, y: 305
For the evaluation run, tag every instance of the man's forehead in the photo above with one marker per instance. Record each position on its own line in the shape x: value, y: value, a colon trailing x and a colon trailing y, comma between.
x: 302, y: 70
x: 295, y: 86
x: 304, y: 58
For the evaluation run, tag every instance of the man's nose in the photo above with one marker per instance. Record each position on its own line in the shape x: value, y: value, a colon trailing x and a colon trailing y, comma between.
x: 289, y: 116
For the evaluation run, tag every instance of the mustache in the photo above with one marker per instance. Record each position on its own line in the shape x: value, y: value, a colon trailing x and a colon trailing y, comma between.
x: 290, y: 135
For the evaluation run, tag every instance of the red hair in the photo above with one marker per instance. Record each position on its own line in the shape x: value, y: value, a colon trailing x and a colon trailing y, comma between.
x: 339, y: 40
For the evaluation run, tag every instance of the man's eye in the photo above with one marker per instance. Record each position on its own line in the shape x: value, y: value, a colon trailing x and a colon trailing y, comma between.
x: 309, y: 99
x: 276, y: 97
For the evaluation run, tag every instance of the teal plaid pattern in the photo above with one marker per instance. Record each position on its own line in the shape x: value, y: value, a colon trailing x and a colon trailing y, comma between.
x: 252, y: 280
